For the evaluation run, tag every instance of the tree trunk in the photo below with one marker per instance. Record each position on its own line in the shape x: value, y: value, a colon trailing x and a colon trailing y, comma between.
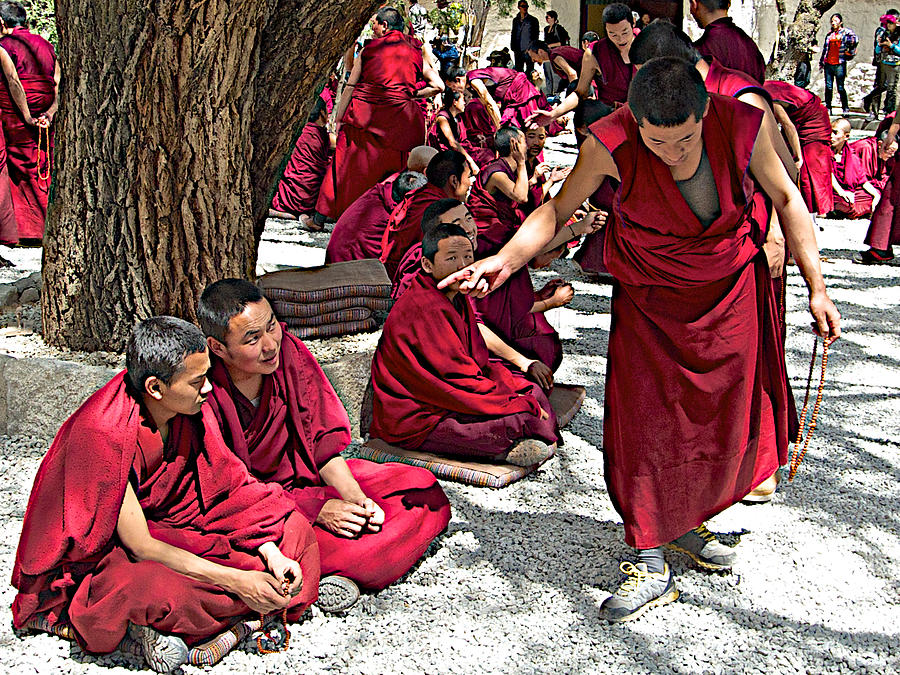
x: 174, y: 118
x: 795, y: 40
x: 480, y: 8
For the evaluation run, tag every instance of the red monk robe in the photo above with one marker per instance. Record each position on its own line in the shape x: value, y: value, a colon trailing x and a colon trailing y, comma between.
x: 382, y: 123
x: 507, y: 310
x: 884, y: 229
x: 358, y: 232
x: 810, y: 117
x: 514, y: 93
x: 733, y: 48
x: 435, y: 388
x: 404, y: 229
x: 615, y: 75
x: 298, y: 188
x: 858, y: 164
x: 407, y: 271
x: 572, y: 57
x: 696, y: 380
x: 436, y: 138
x: 35, y: 62
x: 195, y: 495
x: 299, y: 425
x: 479, y: 140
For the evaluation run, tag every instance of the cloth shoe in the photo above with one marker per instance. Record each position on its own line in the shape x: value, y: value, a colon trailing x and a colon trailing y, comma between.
x: 640, y: 591
x: 163, y: 653
x: 529, y: 452
x: 337, y: 594
x: 764, y: 492
x: 701, y: 546
x: 874, y: 257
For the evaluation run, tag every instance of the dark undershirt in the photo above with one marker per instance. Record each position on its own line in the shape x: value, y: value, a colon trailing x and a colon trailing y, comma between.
x: 700, y: 193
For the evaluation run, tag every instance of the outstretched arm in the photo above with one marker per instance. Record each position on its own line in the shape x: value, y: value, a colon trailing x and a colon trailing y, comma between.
x: 589, y: 67
x: 489, y: 103
x: 790, y: 133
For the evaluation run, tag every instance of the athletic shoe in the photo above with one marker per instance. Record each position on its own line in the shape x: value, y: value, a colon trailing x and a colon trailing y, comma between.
x: 337, y: 594
x: 874, y: 257
x: 529, y: 452
x: 704, y: 549
x: 640, y: 591
x: 163, y: 653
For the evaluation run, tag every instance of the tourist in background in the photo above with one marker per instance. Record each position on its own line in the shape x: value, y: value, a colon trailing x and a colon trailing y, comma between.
x: 525, y: 30
x: 555, y: 36
x: 840, y: 47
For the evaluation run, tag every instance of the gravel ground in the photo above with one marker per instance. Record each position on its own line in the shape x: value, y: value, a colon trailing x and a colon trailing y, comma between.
x: 515, y: 584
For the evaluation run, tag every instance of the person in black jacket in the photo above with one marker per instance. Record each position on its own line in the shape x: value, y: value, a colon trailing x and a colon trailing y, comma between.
x: 525, y: 30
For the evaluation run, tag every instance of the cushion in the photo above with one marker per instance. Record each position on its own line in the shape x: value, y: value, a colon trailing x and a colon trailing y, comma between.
x: 566, y: 400
x: 350, y: 279
x: 480, y: 474
x: 286, y: 310
x: 334, y: 329
x: 342, y: 316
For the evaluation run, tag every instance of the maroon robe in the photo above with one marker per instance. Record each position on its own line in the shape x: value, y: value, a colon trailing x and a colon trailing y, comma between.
x: 382, y: 123
x: 615, y: 75
x: 851, y: 174
x: 809, y: 115
x: 358, y: 232
x: 407, y: 270
x: 572, y: 56
x: 35, y: 62
x: 195, y: 495
x: 731, y: 46
x: 514, y: 93
x: 432, y: 364
x: 404, y: 227
x: 299, y: 426
x: 298, y: 188
x: 436, y: 138
x: 479, y: 140
x: 507, y: 310
x: 697, y: 403
x: 884, y: 229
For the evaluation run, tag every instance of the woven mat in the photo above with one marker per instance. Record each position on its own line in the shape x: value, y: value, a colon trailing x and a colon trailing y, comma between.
x: 334, y: 329
x: 353, y: 278
x: 566, y: 400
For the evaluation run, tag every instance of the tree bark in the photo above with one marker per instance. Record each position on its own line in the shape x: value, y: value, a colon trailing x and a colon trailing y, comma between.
x: 796, y: 39
x: 174, y: 118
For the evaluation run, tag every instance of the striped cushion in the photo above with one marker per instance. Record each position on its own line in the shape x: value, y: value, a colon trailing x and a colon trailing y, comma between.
x: 495, y: 475
x: 287, y: 310
x: 342, y: 316
x: 334, y: 329
x: 351, y: 279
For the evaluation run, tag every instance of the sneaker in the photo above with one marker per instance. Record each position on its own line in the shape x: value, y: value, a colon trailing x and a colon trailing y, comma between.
x: 874, y: 257
x: 529, y: 452
x: 163, y: 653
x: 704, y: 549
x: 337, y: 594
x: 640, y: 591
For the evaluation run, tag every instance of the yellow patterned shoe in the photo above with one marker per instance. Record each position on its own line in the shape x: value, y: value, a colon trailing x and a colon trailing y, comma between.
x: 704, y: 549
x: 640, y: 591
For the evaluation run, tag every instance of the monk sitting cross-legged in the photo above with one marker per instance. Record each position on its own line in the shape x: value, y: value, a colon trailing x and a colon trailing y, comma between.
x: 434, y: 387
x: 142, y: 521
x: 285, y: 422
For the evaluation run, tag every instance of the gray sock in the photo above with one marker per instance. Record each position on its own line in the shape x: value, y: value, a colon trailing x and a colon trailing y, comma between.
x: 654, y: 559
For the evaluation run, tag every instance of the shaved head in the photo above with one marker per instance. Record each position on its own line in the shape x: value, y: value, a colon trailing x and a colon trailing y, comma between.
x: 419, y: 157
x: 843, y: 125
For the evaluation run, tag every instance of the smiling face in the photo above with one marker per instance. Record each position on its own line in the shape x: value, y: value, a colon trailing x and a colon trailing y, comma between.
x: 460, y: 215
x: 460, y: 188
x: 621, y: 35
x: 676, y: 145
x: 253, y: 342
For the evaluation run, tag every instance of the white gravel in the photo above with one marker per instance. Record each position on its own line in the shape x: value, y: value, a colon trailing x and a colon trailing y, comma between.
x: 515, y: 584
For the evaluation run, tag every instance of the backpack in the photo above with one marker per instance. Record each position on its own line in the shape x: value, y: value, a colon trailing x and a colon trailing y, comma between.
x: 850, y: 43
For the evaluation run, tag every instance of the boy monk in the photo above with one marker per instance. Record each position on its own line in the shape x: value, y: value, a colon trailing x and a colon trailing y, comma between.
x: 283, y: 419
x: 435, y: 389
x: 142, y: 521
x: 696, y: 389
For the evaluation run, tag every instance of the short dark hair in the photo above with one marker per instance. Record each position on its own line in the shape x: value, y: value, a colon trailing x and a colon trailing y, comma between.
x: 503, y: 139
x: 714, y: 5
x: 13, y: 14
x: 552, y: 14
x: 391, y: 17
x: 158, y: 347
x: 590, y: 36
x: 666, y: 92
x: 437, y: 234
x: 221, y: 302
x: 454, y: 72
x: 836, y: 14
x: 616, y: 13
x: 449, y: 98
x: 589, y: 111
x: 405, y: 183
x: 433, y: 212
x: 893, y: 12
x: 443, y: 165
x: 662, y: 38
x: 317, y: 109
x: 539, y: 45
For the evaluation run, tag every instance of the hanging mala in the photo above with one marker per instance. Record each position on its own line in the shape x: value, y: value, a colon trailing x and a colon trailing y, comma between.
x: 799, y: 452
x: 43, y: 166
x: 266, y: 634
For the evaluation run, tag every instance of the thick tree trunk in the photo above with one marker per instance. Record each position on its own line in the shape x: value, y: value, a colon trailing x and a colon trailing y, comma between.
x: 174, y: 118
x: 795, y: 39
x: 480, y: 9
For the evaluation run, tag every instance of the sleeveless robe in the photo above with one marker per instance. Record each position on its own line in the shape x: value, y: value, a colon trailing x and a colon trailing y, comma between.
x: 571, y: 55
x: 615, y: 75
x: 357, y: 233
x: 733, y: 48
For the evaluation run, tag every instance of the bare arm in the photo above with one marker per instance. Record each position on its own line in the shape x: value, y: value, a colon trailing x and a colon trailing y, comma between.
x: 587, y: 225
x: 798, y: 228
x: 518, y: 190
x: 489, y: 103
x: 537, y: 370
x: 51, y: 111
x: 16, y: 90
x: 790, y: 132
x: 564, y: 66
x: 589, y: 67
x: 354, y: 511
x: 260, y: 590
x: 769, y: 122
x: 433, y: 83
x: 347, y: 93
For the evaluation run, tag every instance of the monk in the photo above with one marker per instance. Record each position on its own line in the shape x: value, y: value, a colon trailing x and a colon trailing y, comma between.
x: 29, y: 158
x: 564, y: 59
x: 480, y: 129
x: 724, y: 41
x: 449, y: 175
x: 378, y: 119
x: 860, y: 172
x: 508, y: 96
x: 807, y: 129
x: 606, y: 66
x: 141, y: 521
x: 434, y: 387
x: 298, y: 189
x: 541, y: 176
x: 283, y: 420
x: 448, y: 130
x: 693, y: 312
x: 884, y: 229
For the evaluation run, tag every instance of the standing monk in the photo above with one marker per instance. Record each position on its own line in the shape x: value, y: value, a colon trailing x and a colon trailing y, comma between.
x: 141, y: 521
x: 284, y: 420
x: 696, y: 391
x: 884, y: 230
x: 29, y: 164
x: 378, y: 119
x: 724, y: 41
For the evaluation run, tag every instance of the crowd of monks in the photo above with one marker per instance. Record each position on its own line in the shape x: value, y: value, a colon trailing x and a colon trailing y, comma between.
x: 217, y: 485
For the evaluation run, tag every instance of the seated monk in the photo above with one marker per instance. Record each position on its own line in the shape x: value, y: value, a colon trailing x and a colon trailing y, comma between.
x: 434, y: 387
x: 541, y: 177
x: 447, y: 131
x: 141, y: 521
x: 449, y: 175
x: 285, y: 422
x: 859, y: 172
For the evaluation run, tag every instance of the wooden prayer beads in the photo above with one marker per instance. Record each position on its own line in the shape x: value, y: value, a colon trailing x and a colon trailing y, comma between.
x: 43, y: 149
x: 798, y: 453
x: 265, y: 634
